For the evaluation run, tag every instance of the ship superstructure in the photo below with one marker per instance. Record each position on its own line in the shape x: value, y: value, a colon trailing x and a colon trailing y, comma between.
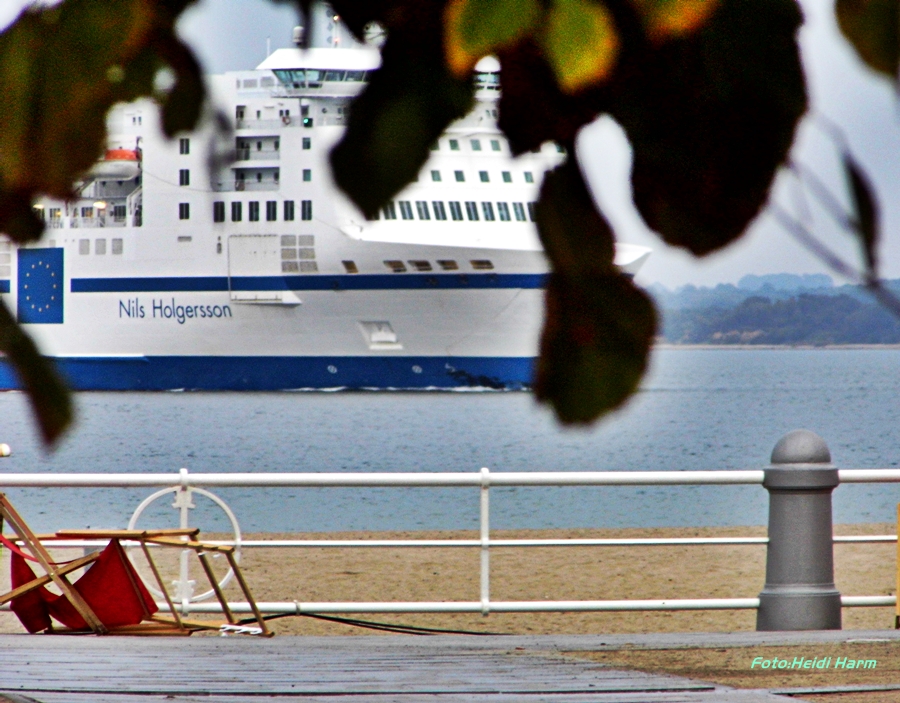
x: 233, y: 262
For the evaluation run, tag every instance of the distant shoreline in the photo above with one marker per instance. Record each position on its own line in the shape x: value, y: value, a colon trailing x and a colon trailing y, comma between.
x: 804, y: 347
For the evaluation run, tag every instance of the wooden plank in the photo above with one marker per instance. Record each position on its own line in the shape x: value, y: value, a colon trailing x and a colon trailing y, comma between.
x: 245, y: 589
x: 125, y: 534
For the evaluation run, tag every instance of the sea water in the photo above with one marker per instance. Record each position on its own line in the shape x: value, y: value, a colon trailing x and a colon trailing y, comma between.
x: 697, y: 410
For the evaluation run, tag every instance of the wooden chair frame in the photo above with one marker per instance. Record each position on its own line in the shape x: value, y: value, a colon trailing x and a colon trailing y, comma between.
x: 175, y: 538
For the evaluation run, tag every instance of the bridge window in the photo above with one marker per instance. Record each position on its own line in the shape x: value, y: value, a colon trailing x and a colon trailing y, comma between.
x: 184, y: 211
x: 390, y: 212
x: 472, y: 210
x: 184, y: 177
x: 405, y: 210
x: 439, y: 212
x: 237, y: 213
x: 488, y: 211
x: 253, y: 211
x: 271, y: 210
x: 422, y: 210
x: 455, y: 211
x: 483, y: 175
x: 503, y: 212
x: 519, y: 209
x: 288, y: 210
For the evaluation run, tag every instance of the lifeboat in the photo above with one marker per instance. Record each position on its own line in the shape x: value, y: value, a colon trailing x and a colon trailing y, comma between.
x: 118, y: 165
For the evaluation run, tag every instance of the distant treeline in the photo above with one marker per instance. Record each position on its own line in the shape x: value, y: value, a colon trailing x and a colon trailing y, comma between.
x: 802, y: 319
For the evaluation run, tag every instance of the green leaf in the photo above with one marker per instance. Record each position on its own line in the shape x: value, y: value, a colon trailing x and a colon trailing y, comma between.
x: 865, y: 211
x: 580, y: 43
x: 873, y: 28
x: 598, y: 326
x: 711, y: 117
x: 533, y: 109
x: 595, y: 345
x: 671, y: 18
x: 577, y: 239
x: 49, y: 397
x: 476, y: 28
x: 406, y: 106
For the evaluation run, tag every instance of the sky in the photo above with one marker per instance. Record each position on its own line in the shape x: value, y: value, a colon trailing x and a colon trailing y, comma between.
x: 232, y: 35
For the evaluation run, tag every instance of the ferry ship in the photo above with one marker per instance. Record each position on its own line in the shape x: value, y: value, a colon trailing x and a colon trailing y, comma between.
x: 174, y: 269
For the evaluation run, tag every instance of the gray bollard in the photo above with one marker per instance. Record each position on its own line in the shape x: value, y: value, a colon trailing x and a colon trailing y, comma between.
x: 799, y: 593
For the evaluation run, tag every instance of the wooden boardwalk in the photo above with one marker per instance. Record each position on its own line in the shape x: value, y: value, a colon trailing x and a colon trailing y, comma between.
x: 76, y: 669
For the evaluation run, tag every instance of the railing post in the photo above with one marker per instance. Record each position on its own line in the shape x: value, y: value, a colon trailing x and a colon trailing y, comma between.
x: 799, y: 593
x: 485, y: 520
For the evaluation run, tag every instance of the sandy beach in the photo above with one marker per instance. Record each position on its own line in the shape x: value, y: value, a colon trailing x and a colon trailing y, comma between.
x: 536, y: 573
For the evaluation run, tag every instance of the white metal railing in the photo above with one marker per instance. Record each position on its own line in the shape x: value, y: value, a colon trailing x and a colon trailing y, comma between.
x: 484, y: 480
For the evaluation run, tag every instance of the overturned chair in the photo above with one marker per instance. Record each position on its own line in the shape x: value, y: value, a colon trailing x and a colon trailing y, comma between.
x: 110, y: 597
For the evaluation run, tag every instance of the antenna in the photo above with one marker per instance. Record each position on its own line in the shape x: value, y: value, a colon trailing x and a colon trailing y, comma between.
x: 268, y: 47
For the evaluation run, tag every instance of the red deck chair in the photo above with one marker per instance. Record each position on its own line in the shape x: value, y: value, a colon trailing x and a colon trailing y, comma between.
x: 110, y: 596
x: 111, y: 588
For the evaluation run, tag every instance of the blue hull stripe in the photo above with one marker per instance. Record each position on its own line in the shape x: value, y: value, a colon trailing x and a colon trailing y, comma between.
x: 268, y: 373
x: 416, y: 281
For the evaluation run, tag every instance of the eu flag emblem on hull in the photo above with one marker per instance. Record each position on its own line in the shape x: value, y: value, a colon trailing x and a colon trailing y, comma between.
x: 40, y: 298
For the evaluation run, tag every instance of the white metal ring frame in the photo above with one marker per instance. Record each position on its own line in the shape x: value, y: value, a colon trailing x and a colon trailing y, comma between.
x: 183, y: 502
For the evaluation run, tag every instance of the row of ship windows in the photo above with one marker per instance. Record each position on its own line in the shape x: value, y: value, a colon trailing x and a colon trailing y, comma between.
x: 424, y: 211
x: 253, y: 211
x: 423, y: 265
x: 117, y: 212
x: 475, y: 144
x: 483, y: 176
